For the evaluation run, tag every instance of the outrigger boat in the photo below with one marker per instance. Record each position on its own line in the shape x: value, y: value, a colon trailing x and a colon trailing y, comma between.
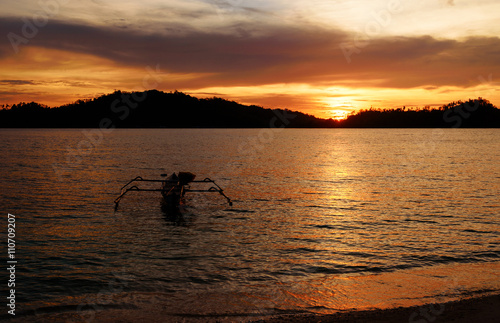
x: 173, y: 188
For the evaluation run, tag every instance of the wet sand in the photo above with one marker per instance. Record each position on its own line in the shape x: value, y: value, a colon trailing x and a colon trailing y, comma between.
x: 481, y: 309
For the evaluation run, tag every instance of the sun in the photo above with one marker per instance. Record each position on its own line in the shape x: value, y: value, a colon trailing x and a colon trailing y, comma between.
x: 338, y: 114
x: 338, y: 108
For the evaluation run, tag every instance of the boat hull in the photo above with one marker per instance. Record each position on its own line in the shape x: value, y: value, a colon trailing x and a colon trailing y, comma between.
x: 172, y: 191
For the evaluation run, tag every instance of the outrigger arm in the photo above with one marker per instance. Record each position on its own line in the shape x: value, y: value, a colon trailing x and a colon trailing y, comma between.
x: 135, y: 188
x: 212, y: 189
x: 125, y: 188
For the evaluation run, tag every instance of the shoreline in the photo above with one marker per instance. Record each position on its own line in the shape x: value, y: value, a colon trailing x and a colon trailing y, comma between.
x: 475, y: 309
x: 484, y: 308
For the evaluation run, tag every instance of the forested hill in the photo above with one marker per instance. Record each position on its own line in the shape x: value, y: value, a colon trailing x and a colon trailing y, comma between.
x: 154, y: 109
x: 478, y: 113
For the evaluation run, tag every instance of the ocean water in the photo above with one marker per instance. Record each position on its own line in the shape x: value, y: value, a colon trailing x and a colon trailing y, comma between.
x: 323, y: 220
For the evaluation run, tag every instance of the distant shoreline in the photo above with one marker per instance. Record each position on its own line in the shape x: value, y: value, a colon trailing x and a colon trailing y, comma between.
x: 156, y: 110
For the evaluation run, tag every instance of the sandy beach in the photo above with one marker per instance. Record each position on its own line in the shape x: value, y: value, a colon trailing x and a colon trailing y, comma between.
x: 481, y: 309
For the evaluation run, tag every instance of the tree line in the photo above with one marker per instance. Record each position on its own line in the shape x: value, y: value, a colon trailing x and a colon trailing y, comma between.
x: 474, y: 113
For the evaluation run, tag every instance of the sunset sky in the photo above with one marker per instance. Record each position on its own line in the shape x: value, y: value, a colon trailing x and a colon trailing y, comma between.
x: 321, y: 57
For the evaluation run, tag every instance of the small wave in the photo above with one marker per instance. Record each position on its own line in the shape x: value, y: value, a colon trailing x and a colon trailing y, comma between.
x: 323, y: 226
x: 238, y: 211
x: 319, y: 206
x: 487, y: 255
x: 351, y: 208
x: 414, y: 262
x: 341, y: 269
x: 209, y: 279
x: 361, y: 254
x: 314, y: 193
x: 374, y: 269
x: 445, y: 259
x: 70, y: 308
x: 347, y: 269
x: 477, y: 231
x: 310, y: 250
x: 420, y: 221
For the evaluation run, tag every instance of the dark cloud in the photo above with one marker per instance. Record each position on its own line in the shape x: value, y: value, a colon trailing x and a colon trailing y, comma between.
x: 250, y: 55
x: 16, y: 82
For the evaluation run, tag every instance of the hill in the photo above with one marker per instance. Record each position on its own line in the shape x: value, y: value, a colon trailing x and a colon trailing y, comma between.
x: 154, y: 109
